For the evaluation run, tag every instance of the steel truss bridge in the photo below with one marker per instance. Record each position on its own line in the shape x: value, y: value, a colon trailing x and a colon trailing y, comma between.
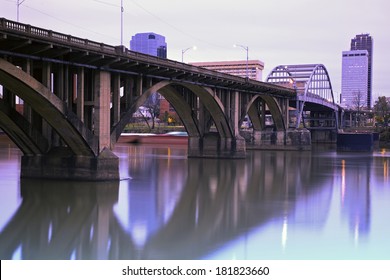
x: 314, y: 94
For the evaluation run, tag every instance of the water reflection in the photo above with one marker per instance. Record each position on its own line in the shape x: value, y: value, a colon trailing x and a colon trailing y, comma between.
x: 61, y: 220
x: 355, y: 193
x: 175, y: 210
x: 270, y: 205
x: 222, y: 200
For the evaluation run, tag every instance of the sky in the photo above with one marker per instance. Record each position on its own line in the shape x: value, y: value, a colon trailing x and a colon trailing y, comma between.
x: 277, y: 32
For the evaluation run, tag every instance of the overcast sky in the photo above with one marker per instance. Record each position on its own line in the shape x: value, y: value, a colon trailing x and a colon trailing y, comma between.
x: 276, y: 31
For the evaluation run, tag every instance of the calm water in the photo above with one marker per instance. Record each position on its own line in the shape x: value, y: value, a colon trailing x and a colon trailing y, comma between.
x: 272, y: 205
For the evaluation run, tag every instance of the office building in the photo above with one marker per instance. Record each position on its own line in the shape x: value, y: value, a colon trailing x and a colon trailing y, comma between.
x: 149, y: 43
x: 354, y: 82
x: 253, y: 69
x: 365, y: 42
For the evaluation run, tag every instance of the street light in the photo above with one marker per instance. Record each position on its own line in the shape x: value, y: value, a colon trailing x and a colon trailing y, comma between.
x: 114, y: 5
x: 247, y: 56
x: 18, y: 3
x: 122, y: 10
x: 185, y: 50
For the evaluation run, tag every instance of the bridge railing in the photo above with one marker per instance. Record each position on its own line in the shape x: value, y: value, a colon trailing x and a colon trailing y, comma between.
x: 52, y: 35
x: 86, y: 44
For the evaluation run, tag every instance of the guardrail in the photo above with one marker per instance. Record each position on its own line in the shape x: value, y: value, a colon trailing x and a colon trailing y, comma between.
x: 33, y: 31
x: 86, y: 44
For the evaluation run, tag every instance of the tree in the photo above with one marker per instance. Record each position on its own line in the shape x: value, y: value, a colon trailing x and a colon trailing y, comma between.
x: 382, y: 109
x: 359, y: 102
x: 153, y: 107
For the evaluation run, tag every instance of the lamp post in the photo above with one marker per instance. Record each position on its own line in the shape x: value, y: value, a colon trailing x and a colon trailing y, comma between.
x: 18, y: 3
x: 246, y: 48
x: 184, y: 51
x: 113, y: 5
x: 122, y: 10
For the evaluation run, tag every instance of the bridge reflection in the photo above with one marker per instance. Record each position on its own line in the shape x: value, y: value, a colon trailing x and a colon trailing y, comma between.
x: 215, y: 202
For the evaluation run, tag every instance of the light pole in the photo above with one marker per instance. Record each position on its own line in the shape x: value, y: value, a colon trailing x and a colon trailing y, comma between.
x: 185, y: 50
x: 122, y: 10
x: 247, y: 57
x: 18, y: 3
x: 113, y: 5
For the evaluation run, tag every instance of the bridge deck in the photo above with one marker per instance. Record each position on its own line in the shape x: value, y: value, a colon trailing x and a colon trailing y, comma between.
x: 22, y: 40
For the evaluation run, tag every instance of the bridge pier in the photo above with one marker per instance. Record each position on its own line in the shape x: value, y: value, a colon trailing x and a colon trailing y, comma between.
x: 297, y: 139
x: 60, y: 165
x: 324, y: 136
x: 212, y: 146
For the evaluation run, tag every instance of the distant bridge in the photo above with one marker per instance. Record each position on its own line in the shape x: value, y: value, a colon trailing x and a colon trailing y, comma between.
x: 65, y: 102
x: 314, y: 93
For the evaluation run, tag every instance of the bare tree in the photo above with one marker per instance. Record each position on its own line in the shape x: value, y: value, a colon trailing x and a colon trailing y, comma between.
x: 358, y: 103
x: 152, y: 105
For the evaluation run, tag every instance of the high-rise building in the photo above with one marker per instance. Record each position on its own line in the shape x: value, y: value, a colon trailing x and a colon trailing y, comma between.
x: 365, y: 42
x: 354, y: 89
x: 253, y: 69
x: 149, y: 43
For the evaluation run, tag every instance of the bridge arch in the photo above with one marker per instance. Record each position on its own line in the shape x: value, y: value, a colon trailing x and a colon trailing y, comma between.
x: 49, y: 107
x: 307, y: 79
x: 311, y: 82
x: 29, y: 140
x: 274, y: 108
x: 189, y: 117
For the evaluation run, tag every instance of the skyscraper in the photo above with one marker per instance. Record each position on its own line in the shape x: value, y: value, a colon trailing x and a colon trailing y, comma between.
x: 149, y: 43
x: 365, y: 42
x: 354, y: 94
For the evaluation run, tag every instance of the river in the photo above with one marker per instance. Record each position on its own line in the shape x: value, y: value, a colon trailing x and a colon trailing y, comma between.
x: 317, y: 204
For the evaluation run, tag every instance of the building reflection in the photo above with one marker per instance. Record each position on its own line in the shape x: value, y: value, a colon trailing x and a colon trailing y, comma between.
x: 355, y: 193
x: 178, y: 208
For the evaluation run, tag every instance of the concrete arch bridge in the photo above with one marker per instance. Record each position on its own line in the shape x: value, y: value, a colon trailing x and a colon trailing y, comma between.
x: 66, y: 100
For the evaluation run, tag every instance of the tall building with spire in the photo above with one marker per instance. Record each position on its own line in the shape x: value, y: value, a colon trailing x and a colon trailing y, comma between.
x: 365, y: 42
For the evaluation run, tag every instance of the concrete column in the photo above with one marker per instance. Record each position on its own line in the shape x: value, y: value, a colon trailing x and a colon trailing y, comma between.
x: 286, y: 113
x: 212, y: 146
x: 27, y: 67
x: 47, y: 82
x: 263, y: 115
x: 202, y: 118
x: 80, y: 93
x: 101, y: 116
x: 116, y: 98
x: 236, y: 114
x: 128, y: 92
x: 297, y: 139
x: 139, y: 88
x: 59, y: 81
